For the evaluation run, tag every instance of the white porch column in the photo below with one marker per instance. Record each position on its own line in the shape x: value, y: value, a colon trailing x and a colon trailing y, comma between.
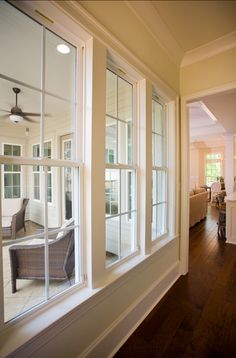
x: 229, y: 163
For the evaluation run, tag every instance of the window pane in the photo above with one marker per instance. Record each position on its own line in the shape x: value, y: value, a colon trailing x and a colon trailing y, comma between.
x: 111, y: 140
x: 16, y: 149
x: 49, y: 187
x: 112, y: 237
x: 59, y: 68
x: 157, y: 116
x: 60, y: 118
x: 16, y: 168
x: 8, y: 180
x: 158, y: 220
x: 36, y: 150
x: 8, y: 168
x: 112, y: 191
x: 8, y: 149
x: 161, y: 183
x: 30, y: 291
x: 48, y: 150
x: 36, y: 193
x: 12, y: 184
x: 62, y: 261
x: 127, y: 234
x: 16, y: 179
x: 8, y: 192
x: 16, y: 192
x: 125, y: 143
x: 127, y: 190
x: 28, y: 222
x: 125, y: 100
x: 25, y: 131
x: 111, y: 94
x: 157, y: 148
x: 17, y: 39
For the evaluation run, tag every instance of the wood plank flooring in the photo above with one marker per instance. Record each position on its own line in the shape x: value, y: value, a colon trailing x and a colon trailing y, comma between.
x: 197, y: 317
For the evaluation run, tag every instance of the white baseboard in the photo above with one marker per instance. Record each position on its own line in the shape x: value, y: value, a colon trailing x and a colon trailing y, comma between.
x: 109, y: 342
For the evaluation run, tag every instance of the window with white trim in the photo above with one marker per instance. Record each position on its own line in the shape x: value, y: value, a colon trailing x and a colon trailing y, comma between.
x: 213, y: 167
x: 48, y: 260
x: 159, y: 170
x: 12, y: 173
x: 120, y: 176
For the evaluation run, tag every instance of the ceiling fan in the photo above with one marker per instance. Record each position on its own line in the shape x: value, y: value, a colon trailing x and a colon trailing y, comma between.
x: 15, y: 114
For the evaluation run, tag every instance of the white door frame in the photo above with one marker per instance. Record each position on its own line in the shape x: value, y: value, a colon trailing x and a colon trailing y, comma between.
x: 184, y: 221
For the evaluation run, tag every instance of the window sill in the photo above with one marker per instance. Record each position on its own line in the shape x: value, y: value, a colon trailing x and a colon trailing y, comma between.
x: 162, y: 241
x: 62, y: 310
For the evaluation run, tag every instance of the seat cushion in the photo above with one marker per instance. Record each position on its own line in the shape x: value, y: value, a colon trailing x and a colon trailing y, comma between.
x: 65, y: 225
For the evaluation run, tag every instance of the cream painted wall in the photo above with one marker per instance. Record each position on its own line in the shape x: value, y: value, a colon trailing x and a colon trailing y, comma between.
x: 118, y: 19
x: 209, y: 73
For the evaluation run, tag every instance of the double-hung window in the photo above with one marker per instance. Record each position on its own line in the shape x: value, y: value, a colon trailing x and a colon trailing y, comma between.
x: 120, y: 176
x: 213, y: 167
x: 159, y: 170
x: 12, y: 173
x: 47, y: 261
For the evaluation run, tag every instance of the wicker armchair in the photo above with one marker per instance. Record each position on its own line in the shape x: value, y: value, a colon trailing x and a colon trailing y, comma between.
x: 27, y: 261
x: 16, y: 223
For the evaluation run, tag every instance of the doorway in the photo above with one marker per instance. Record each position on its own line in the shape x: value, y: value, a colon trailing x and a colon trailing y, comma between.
x: 214, y: 96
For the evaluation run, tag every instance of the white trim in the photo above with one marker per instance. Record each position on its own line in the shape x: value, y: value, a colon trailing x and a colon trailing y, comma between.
x: 39, y: 161
x: 210, y: 49
x: 109, y: 342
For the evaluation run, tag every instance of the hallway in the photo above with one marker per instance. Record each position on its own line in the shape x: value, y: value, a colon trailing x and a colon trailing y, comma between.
x: 197, y: 317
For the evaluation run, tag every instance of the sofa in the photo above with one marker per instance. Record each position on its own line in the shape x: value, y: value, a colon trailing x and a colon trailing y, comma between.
x: 198, y: 202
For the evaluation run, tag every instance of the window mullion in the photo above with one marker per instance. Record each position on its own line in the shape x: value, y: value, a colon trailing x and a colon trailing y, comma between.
x: 1, y: 255
x: 43, y: 59
x: 119, y: 232
x: 46, y: 232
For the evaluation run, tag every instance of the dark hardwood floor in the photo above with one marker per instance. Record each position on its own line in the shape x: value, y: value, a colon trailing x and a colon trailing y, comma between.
x: 197, y: 317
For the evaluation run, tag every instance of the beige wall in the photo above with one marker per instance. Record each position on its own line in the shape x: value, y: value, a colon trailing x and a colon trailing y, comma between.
x: 118, y: 18
x: 212, y: 72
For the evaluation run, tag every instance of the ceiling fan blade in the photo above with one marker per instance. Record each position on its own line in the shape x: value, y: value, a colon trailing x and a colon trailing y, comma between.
x: 35, y: 114
x: 3, y: 110
x: 29, y: 119
x: 31, y: 114
x: 4, y: 116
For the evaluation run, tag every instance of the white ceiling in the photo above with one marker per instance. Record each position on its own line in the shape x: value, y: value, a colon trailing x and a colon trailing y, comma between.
x: 212, y: 117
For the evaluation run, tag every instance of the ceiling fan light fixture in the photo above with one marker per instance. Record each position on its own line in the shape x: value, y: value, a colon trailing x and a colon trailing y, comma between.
x: 63, y: 48
x: 15, y: 118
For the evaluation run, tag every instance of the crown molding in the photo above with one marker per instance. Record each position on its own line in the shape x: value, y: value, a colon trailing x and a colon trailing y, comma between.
x: 148, y: 15
x: 210, y: 49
